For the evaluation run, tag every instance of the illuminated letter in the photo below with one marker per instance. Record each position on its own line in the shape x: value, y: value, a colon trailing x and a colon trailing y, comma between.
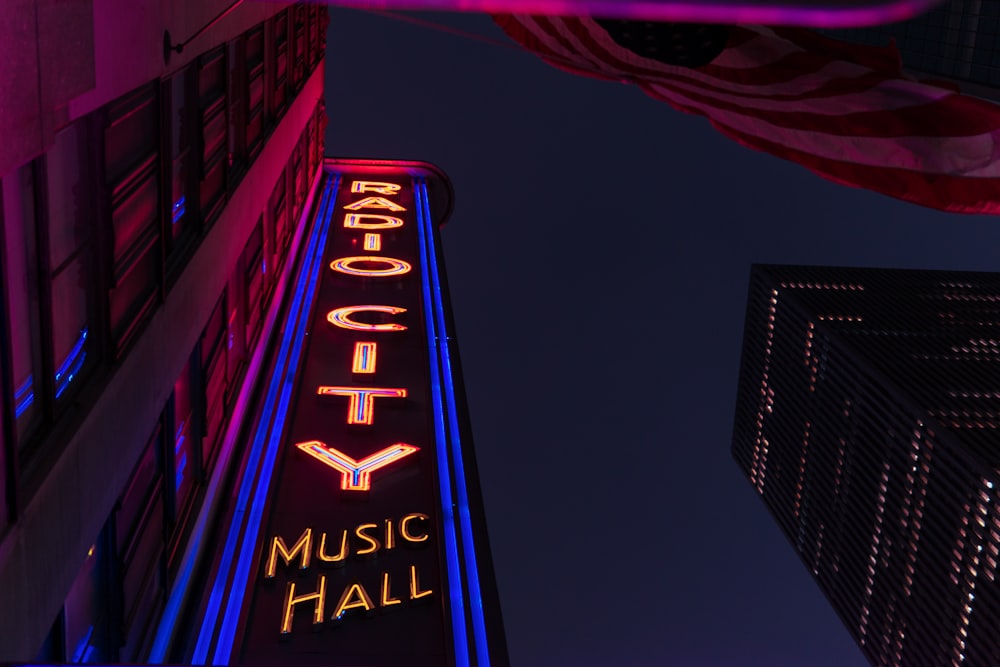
x: 377, y: 187
x: 356, y: 475
x: 415, y: 592
x: 278, y: 546
x: 361, y: 407
x: 390, y: 537
x: 354, y: 220
x: 364, y: 358
x: 386, y: 600
x: 375, y: 202
x: 342, y: 318
x: 405, y: 533
x: 290, y: 602
x: 397, y: 267
x: 355, y: 597
x: 339, y: 558
x: 373, y: 242
x: 373, y: 544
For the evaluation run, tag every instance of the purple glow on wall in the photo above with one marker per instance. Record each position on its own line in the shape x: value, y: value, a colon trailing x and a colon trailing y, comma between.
x: 811, y: 13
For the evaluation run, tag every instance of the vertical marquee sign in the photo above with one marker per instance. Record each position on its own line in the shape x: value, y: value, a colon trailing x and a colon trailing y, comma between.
x: 370, y: 548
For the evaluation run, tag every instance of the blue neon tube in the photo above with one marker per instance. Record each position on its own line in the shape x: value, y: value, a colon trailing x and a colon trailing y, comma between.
x: 465, y: 520
x: 444, y: 477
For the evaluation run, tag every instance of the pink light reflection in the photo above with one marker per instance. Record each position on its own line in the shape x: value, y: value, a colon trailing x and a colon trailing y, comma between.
x: 809, y: 13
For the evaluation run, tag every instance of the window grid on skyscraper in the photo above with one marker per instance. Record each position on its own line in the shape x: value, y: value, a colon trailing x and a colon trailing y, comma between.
x: 856, y: 433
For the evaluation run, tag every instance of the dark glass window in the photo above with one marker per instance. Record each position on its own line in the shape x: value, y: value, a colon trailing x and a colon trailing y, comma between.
x: 22, y: 275
x: 280, y: 55
x: 235, y: 333
x: 253, y: 261
x: 139, y: 545
x: 278, y: 215
x: 86, y: 610
x: 255, y: 90
x: 184, y: 460
x: 213, y: 360
x: 131, y: 140
x: 70, y: 214
x: 236, y: 107
x: 182, y: 127
x: 212, y: 102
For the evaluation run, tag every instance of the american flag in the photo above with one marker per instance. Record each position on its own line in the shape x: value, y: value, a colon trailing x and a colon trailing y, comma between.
x: 847, y: 112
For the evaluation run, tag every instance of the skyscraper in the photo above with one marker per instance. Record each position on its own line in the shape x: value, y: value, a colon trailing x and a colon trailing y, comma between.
x: 867, y: 419
x: 957, y: 41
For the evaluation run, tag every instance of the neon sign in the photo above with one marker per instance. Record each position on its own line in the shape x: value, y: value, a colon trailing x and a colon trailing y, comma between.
x: 373, y: 431
x: 355, y: 475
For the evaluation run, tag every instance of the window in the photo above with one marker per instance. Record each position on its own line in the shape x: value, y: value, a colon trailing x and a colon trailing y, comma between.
x: 139, y: 545
x: 21, y: 279
x: 254, y: 278
x: 298, y: 180
x: 213, y: 362
x: 131, y: 157
x: 236, y: 356
x: 87, y: 611
x: 212, y: 102
x: 279, y: 58
x: 255, y: 90
x: 277, y: 213
x: 237, y: 108
x: 182, y: 455
x: 68, y: 232
x: 48, y: 213
x: 298, y: 38
x: 180, y: 221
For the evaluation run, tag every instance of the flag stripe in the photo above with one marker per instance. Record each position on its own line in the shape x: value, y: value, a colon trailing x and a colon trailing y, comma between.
x: 844, y: 111
x: 969, y: 155
x: 947, y: 193
x: 962, y: 115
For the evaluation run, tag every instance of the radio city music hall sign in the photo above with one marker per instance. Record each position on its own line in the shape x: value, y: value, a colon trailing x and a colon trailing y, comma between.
x: 367, y: 550
x: 372, y: 220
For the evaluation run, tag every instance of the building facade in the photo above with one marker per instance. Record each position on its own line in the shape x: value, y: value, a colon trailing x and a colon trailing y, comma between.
x: 150, y: 211
x: 957, y: 41
x: 867, y: 419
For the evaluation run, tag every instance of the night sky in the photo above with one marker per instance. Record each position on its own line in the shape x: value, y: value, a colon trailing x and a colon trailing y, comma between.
x: 598, y: 257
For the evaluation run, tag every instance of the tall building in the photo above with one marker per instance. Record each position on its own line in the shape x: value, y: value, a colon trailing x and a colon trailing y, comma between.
x: 149, y: 210
x: 867, y: 419
x: 957, y: 41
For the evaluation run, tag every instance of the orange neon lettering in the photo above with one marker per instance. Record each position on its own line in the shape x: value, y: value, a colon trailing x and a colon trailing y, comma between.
x: 354, y: 221
x: 396, y: 267
x: 356, y: 475
x: 378, y: 187
x: 415, y: 592
x: 354, y: 597
x: 278, y: 547
x: 375, y: 202
x: 390, y: 537
x: 405, y: 532
x: 290, y: 602
x: 341, y: 317
x: 387, y: 599
x: 373, y: 543
x: 341, y: 555
x: 361, y: 407
x: 364, y: 358
x: 373, y: 242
